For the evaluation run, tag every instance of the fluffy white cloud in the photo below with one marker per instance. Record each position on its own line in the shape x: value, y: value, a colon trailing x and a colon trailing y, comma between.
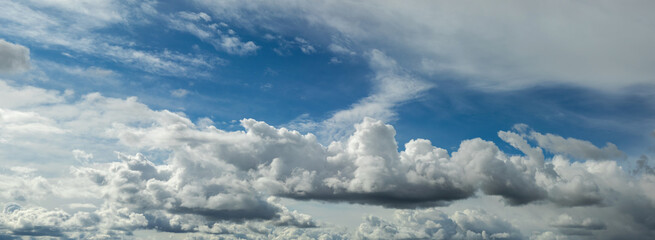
x: 365, y: 168
x: 13, y: 57
x: 138, y: 184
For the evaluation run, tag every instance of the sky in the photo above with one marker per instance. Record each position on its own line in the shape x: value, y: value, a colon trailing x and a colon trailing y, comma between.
x: 223, y: 119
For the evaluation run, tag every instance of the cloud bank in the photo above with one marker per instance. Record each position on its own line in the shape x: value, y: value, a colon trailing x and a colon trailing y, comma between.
x: 178, y: 176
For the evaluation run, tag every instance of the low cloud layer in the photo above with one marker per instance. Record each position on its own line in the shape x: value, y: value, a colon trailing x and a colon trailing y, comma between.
x: 433, y: 224
x: 177, y: 175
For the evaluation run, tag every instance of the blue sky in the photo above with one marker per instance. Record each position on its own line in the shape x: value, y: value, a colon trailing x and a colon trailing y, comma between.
x: 567, y: 84
x: 278, y: 82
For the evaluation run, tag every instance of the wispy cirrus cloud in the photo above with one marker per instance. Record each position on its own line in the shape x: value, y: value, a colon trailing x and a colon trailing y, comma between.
x: 218, y: 34
x: 392, y: 86
x: 72, y: 26
x: 502, y: 45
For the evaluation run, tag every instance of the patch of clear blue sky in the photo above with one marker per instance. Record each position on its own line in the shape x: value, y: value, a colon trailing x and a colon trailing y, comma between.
x: 273, y: 88
x: 453, y: 111
x: 263, y: 86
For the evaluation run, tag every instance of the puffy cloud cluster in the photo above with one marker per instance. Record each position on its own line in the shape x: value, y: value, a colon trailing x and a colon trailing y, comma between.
x: 187, y: 177
x: 183, y: 187
x: 38, y: 221
x: 121, y: 214
x: 367, y: 167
